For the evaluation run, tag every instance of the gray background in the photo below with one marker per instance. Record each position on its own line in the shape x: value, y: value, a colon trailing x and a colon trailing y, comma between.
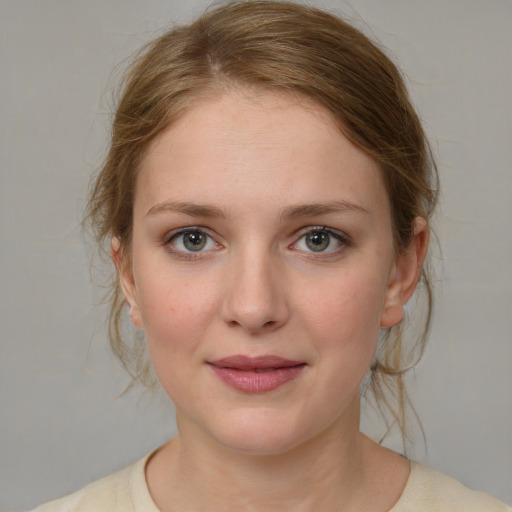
x: 61, y: 421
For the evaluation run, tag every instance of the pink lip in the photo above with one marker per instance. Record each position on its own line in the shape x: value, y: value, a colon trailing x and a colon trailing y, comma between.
x: 256, y: 374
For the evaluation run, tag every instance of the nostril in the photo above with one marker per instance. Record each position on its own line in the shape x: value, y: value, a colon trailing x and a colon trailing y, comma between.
x: 265, y: 326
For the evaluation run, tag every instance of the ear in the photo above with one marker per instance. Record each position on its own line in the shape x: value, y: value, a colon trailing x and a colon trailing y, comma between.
x: 126, y: 280
x: 405, y: 275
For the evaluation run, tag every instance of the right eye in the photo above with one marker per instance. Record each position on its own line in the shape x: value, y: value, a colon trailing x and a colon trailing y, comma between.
x: 322, y: 240
x: 192, y: 240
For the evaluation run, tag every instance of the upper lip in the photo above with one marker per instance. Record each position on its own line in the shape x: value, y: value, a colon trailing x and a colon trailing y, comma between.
x: 242, y: 362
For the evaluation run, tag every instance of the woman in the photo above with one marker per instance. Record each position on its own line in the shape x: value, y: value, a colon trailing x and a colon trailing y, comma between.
x: 267, y: 198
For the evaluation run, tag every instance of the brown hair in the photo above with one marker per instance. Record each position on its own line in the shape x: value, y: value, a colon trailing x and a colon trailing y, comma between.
x: 290, y: 48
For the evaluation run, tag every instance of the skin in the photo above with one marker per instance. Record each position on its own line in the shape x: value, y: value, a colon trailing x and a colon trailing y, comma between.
x: 245, y: 164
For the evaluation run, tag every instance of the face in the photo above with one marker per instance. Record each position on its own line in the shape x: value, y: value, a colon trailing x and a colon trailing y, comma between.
x: 262, y: 270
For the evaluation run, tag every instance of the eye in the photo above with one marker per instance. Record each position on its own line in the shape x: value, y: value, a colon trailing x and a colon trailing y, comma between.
x: 192, y: 240
x: 321, y: 240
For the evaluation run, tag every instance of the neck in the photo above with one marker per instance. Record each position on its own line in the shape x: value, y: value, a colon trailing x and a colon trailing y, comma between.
x: 192, y: 472
x: 286, y: 481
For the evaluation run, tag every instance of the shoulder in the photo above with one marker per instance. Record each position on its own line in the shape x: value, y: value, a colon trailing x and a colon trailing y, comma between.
x: 429, y: 490
x: 124, y: 491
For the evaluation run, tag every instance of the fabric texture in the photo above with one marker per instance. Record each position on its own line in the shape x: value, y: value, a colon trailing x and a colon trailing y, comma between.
x: 126, y: 491
x: 428, y: 490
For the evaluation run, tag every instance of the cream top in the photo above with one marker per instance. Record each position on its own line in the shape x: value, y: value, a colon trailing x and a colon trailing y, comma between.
x: 126, y: 491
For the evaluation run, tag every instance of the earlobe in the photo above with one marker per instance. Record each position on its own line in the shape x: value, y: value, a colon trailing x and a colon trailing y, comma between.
x: 406, y: 274
x: 126, y: 281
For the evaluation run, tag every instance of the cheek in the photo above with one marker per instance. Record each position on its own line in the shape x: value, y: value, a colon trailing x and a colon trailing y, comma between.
x: 343, y: 317
x: 175, y: 318
x: 174, y: 312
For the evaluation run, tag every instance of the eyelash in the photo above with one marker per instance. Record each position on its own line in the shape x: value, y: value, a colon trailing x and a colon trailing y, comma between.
x: 343, y: 240
x: 183, y: 254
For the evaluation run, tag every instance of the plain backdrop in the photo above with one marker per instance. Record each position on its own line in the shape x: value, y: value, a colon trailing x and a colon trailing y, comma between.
x: 62, y: 422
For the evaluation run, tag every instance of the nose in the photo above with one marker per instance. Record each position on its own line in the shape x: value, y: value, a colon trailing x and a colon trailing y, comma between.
x: 255, y: 295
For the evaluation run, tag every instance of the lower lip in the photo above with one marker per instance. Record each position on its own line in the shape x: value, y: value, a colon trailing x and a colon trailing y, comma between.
x: 250, y: 381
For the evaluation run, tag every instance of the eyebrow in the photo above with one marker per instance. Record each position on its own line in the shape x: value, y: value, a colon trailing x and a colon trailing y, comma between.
x: 290, y: 212
x: 191, y: 209
x: 309, y: 210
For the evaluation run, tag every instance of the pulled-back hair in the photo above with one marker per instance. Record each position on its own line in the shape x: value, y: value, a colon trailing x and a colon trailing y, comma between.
x: 291, y: 49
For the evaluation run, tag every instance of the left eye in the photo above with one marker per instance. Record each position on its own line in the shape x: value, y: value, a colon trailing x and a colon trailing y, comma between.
x: 193, y: 240
x: 320, y: 240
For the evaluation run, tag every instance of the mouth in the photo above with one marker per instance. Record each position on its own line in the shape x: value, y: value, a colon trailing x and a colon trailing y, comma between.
x: 256, y: 374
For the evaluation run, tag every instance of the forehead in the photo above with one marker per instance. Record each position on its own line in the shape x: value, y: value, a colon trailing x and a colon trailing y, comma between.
x: 255, y: 146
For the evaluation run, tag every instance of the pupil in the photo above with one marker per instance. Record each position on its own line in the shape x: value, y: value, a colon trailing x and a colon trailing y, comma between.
x: 194, y: 241
x: 317, y: 241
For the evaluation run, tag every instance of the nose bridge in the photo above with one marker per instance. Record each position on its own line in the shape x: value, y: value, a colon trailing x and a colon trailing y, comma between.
x: 255, y: 298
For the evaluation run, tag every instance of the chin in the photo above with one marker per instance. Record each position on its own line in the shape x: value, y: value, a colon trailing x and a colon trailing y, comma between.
x: 261, y: 433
